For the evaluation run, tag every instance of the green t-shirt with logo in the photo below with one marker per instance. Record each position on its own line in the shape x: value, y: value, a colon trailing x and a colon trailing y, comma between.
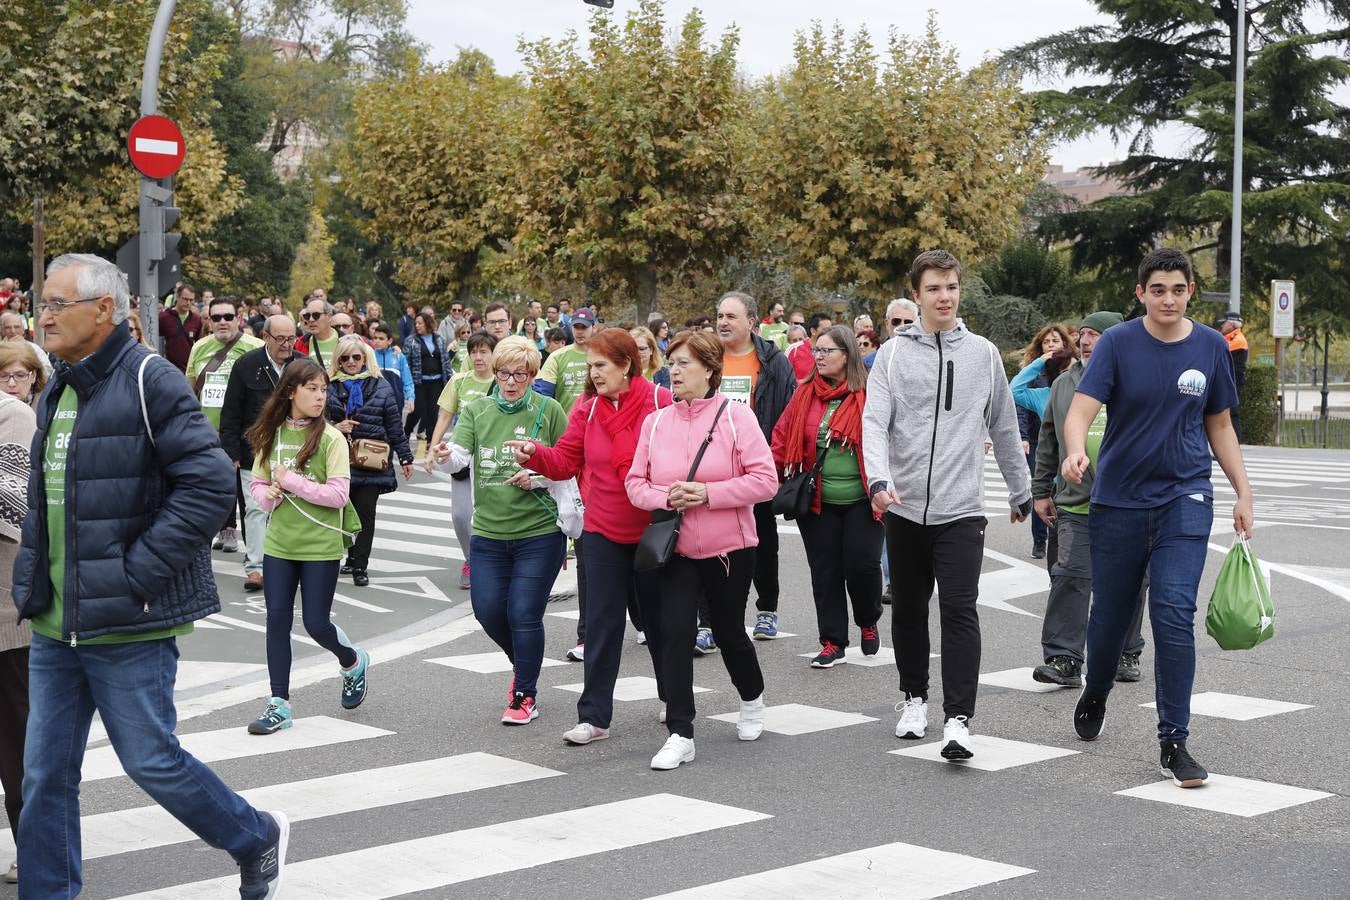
x: 213, y: 388
x: 326, y: 348
x: 566, y: 370
x: 501, y: 511
x: 55, y: 451
x: 840, y: 481
x: 289, y: 534
x: 462, y: 390
x: 1092, y: 448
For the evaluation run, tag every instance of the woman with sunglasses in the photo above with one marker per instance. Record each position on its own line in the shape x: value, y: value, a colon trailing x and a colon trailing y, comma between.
x: 361, y: 404
x: 517, y: 547
x: 868, y: 343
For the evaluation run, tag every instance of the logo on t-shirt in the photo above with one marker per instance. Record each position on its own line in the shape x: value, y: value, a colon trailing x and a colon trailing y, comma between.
x: 1192, y: 383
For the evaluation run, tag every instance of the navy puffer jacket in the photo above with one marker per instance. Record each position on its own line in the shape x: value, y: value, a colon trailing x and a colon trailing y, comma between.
x: 381, y: 418
x: 137, y: 513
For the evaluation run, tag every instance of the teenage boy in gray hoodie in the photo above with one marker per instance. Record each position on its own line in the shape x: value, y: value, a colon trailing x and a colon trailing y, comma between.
x: 934, y: 392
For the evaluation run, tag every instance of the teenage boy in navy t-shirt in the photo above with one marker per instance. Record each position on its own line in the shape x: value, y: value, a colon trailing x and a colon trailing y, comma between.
x: 1168, y: 387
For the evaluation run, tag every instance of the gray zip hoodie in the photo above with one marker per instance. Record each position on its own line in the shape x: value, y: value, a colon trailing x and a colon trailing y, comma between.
x: 931, y: 400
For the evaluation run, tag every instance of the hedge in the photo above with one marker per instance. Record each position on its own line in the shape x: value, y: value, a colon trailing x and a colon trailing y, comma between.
x: 1260, y: 403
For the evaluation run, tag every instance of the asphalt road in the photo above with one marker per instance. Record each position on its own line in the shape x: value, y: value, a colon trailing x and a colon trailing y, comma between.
x: 820, y: 807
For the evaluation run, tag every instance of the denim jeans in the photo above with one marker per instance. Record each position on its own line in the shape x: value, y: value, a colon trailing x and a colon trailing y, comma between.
x: 509, y: 590
x: 1168, y: 544
x: 131, y: 687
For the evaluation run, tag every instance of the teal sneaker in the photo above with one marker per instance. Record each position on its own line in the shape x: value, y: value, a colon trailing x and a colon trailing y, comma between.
x: 276, y: 717
x: 354, y: 681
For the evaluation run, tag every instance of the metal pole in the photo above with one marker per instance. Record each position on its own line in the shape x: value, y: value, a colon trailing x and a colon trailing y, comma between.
x: 1240, y: 72
x: 1326, y: 410
x: 1279, y: 410
x: 150, y: 222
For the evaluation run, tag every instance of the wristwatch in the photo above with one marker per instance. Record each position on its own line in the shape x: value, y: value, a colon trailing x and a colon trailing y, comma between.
x: 877, y: 487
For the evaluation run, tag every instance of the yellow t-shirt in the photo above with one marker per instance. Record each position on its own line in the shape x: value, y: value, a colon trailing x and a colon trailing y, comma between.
x: 739, y: 374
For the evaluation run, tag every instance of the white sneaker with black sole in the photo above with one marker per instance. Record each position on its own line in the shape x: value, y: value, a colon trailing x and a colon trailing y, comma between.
x: 913, y: 718
x: 956, y: 739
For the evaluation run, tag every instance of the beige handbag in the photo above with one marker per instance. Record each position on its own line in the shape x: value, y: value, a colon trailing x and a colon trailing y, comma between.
x: 370, y: 454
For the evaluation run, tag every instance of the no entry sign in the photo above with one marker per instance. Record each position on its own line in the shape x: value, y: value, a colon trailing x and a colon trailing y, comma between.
x: 156, y: 146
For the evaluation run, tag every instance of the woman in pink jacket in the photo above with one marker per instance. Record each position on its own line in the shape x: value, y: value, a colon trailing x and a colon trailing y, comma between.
x: 715, y: 554
x: 598, y: 445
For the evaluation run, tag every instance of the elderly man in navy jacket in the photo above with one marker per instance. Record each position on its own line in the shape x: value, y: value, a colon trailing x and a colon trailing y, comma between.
x: 128, y: 486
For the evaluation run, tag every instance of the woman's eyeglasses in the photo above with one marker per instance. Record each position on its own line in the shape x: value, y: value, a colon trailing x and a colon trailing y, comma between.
x: 15, y: 377
x: 823, y: 351
x: 507, y: 377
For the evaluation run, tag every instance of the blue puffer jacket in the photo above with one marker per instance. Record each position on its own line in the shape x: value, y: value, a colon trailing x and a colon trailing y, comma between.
x: 380, y: 417
x: 137, y: 514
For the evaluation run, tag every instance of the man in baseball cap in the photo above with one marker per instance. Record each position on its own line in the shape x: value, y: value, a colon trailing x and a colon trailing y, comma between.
x: 1064, y: 508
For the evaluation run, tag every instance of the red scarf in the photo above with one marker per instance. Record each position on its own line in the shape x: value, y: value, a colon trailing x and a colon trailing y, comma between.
x: 623, y: 425
x: 845, y: 424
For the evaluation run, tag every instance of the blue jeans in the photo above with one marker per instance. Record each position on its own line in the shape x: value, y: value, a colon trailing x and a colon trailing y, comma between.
x: 131, y: 687
x: 1168, y: 544
x: 510, y: 585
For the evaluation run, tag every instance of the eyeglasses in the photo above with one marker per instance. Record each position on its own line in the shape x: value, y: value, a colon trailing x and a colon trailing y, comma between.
x: 343, y: 325
x: 15, y: 377
x: 226, y: 317
x: 508, y: 377
x: 311, y: 316
x: 57, y: 306
x: 822, y: 351
x: 457, y: 309
x: 352, y: 357
x: 280, y: 339
x: 896, y: 323
x: 496, y: 321
x: 864, y: 345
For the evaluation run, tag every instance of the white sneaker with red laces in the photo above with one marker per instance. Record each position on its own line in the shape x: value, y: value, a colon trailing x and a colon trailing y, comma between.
x: 577, y: 653
x: 521, y: 711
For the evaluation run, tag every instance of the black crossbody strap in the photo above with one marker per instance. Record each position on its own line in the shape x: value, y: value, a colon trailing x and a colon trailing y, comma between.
x: 706, y: 441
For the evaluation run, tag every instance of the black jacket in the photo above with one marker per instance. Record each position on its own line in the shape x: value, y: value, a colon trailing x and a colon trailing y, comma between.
x: 774, y: 387
x: 252, y: 381
x: 415, y: 351
x: 381, y: 418
x: 136, y: 513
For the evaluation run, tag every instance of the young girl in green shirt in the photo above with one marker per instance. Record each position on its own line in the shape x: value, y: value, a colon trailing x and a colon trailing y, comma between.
x: 301, y: 475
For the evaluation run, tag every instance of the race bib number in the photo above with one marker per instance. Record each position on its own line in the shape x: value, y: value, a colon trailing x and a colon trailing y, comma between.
x: 213, y: 391
x: 736, y: 387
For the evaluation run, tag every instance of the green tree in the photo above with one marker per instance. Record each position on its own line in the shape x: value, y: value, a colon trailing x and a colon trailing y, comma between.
x: 313, y: 266
x: 626, y: 172
x: 856, y: 164
x: 1168, y: 65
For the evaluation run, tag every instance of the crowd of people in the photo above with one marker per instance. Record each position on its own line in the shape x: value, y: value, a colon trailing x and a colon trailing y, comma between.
x: 660, y: 457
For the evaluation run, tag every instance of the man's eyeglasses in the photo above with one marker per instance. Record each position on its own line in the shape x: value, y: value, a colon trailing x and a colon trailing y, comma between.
x: 16, y: 377
x: 496, y: 321
x: 311, y: 316
x: 508, y: 377
x: 57, y: 306
x: 896, y: 323
x: 280, y: 339
x: 224, y: 317
x: 352, y: 357
x: 456, y: 309
x: 343, y: 326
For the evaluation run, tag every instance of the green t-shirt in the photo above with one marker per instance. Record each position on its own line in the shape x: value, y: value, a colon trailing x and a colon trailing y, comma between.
x: 462, y: 390
x: 213, y: 388
x: 840, y: 481
x: 55, y: 449
x: 326, y: 348
x: 566, y: 370
x: 289, y: 534
x: 501, y: 511
x: 1092, y: 447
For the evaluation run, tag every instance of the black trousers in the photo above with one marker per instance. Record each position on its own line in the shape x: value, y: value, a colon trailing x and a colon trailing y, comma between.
x: 423, y: 417
x: 616, y: 589
x: 13, y: 725
x: 843, y: 549
x: 949, y: 555
x: 364, y: 497
x: 766, y: 559
x: 725, y: 581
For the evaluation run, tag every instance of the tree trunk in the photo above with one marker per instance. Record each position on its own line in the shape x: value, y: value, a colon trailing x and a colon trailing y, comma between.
x: 646, y: 292
x: 39, y: 261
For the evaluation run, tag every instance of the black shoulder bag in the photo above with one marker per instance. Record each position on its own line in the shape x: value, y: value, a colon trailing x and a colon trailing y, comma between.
x: 795, y: 494
x: 658, y: 541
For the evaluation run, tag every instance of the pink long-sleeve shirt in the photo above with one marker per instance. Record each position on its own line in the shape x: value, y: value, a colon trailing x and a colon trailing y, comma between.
x: 737, y: 469
x: 332, y: 493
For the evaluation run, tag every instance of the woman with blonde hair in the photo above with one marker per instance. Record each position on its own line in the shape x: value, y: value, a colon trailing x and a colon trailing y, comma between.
x: 653, y: 363
x: 21, y: 373
x: 137, y: 334
x: 1051, y: 339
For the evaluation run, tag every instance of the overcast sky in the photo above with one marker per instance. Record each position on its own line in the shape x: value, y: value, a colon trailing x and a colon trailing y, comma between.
x: 977, y: 28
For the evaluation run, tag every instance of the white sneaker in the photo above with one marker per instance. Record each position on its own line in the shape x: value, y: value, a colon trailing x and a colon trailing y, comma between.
x: 641, y: 637
x: 751, y: 723
x: 956, y: 739
x: 584, y: 733
x: 913, y: 718
x: 577, y: 653
x: 675, y: 751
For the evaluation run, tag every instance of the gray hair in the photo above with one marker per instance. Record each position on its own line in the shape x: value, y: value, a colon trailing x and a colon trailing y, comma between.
x: 901, y: 303
x: 751, y: 309
x: 97, y: 278
x: 328, y: 309
x: 10, y: 314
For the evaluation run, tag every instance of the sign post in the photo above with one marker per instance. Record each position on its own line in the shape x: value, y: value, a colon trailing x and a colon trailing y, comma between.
x: 1282, y: 302
x: 157, y: 149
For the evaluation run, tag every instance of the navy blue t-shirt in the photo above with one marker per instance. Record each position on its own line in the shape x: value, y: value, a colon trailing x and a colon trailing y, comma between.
x: 1157, y: 396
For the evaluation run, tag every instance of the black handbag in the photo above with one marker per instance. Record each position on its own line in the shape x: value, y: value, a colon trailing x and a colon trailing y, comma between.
x: 795, y: 494
x: 658, y: 541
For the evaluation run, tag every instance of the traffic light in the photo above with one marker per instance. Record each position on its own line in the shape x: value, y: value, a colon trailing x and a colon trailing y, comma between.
x: 162, y: 247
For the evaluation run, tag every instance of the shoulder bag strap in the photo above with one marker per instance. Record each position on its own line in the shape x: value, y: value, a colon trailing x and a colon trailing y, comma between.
x: 140, y: 388
x: 706, y: 441
x: 215, y: 362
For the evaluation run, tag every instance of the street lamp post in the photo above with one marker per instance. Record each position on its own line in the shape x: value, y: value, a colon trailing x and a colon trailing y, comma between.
x: 1240, y: 72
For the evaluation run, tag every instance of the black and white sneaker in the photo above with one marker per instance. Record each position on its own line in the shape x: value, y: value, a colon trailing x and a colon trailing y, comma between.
x: 1178, y: 764
x: 260, y: 878
x: 1128, y: 668
x: 1061, y: 670
x: 1088, y: 716
x: 956, y: 739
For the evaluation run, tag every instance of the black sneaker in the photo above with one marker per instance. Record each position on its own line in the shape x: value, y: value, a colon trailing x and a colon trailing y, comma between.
x: 260, y: 879
x: 360, y: 578
x: 1178, y: 764
x: 346, y: 569
x: 886, y: 596
x: 1128, y: 667
x: 1038, y: 550
x: 1088, y: 716
x: 830, y: 653
x: 871, y: 640
x: 1061, y: 670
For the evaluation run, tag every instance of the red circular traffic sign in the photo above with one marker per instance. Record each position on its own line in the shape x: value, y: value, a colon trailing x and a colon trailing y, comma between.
x: 156, y: 146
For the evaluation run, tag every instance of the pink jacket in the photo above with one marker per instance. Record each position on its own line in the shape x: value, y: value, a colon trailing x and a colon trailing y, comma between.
x: 738, y: 470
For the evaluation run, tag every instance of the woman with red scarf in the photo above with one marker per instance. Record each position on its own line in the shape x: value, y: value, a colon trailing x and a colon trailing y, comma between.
x: 598, y: 447
x: 822, y: 429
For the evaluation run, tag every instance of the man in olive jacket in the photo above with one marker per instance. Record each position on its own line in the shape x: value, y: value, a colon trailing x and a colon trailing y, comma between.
x: 128, y: 486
